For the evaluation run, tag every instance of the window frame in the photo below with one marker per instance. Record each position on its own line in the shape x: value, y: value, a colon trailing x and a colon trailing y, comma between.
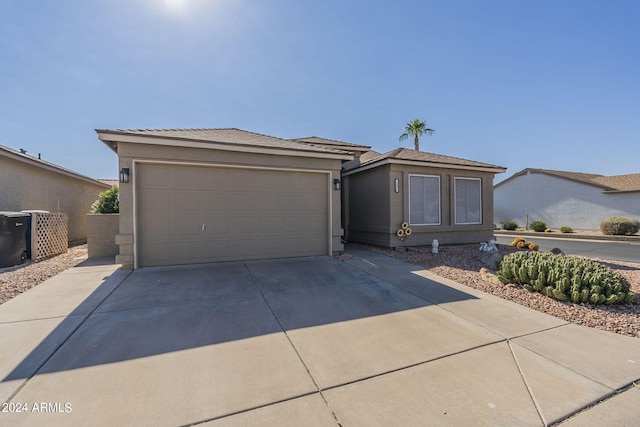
x: 439, y: 199
x: 455, y: 200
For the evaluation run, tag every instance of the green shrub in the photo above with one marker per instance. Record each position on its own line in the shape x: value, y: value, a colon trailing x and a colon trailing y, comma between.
x: 565, y: 229
x: 538, y: 226
x: 565, y: 278
x: 510, y: 225
x: 619, y: 226
x: 107, y: 202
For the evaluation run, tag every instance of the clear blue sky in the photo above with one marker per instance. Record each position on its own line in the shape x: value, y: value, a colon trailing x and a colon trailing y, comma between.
x: 548, y: 83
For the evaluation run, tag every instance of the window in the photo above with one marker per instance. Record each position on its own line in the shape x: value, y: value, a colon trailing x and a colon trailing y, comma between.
x: 468, y: 195
x: 424, y: 200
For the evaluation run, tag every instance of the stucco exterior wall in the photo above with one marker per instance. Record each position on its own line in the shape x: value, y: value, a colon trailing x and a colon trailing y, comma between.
x: 560, y: 202
x: 25, y: 186
x: 101, y: 235
x: 368, y: 206
x: 376, y: 211
x: 128, y: 152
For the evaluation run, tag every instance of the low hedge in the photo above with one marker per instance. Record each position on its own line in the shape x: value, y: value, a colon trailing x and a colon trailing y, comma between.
x: 619, y: 226
x: 538, y: 226
x: 565, y: 278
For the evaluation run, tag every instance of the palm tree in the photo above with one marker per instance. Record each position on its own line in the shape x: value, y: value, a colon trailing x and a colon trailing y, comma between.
x: 416, y: 128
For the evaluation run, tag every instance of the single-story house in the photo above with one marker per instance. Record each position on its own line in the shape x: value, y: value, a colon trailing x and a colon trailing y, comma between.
x: 560, y: 198
x: 438, y: 197
x: 30, y: 183
x: 204, y: 195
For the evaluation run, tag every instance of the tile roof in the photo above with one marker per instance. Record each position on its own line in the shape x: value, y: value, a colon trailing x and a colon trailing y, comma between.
x: 332, y: 143
x: 615, y: 183
x: 426, y: 157
x: 630, y: 182
x: 231, y: 136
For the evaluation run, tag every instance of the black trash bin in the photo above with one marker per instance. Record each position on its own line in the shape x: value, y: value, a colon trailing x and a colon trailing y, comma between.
x: 13, y: 238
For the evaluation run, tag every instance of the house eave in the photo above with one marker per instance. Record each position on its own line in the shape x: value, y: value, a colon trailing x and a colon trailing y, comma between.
x: 50, y: 167
x: 111, y: 139
x: 424, y: 164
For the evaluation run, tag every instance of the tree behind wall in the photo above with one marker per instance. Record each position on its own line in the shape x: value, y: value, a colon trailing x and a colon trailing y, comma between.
x: 107, y: 202
x: 416, y: 128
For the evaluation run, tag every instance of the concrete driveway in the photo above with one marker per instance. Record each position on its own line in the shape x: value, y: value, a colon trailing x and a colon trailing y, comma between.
x: 311, y: 341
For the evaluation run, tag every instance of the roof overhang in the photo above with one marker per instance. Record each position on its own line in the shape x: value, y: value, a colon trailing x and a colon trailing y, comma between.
x: 112, y: 138
x: 424, y: 164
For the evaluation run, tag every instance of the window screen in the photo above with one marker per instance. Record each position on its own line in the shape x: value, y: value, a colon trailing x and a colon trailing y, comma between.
x: 468, y: 193
x: 424, y: 200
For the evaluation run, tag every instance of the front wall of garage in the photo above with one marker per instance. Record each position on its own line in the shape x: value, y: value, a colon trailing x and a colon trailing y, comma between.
x: 251, y: 205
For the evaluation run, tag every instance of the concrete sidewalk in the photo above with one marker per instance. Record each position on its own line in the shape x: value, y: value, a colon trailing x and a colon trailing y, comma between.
x: 308, y: 341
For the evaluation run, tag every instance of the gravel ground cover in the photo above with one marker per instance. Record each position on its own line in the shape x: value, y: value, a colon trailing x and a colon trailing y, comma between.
x: 16, y: 280
x: 462, y: 263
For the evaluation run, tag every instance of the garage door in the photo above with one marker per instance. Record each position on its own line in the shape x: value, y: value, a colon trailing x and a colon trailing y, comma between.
x: 196, y: 214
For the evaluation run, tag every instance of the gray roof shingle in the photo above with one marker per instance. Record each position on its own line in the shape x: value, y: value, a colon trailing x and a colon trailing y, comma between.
x: 426, y: 157
x: 231, y: 136
x: 615, y: 183
x: 333, y: 143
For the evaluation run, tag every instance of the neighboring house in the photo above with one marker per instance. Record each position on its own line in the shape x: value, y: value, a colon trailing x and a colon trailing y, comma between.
x: 204, y: 195
x: 29, y: 182
x: 559, y: 198
x: 440, y: 197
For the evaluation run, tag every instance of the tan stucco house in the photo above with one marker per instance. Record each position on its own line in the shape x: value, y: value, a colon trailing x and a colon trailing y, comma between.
x: 434, y: 196
x: 30, y: 183
x: 206, y: 195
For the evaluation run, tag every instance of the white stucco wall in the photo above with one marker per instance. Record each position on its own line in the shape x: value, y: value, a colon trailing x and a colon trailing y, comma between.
x: 560, y: 202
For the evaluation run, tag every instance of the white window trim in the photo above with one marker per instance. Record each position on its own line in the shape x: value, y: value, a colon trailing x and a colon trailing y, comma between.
x: 439, y: 199
x: 455, y: 198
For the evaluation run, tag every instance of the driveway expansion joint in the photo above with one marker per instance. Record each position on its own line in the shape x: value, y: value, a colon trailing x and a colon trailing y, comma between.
x: 64, y: 341
x: 306, y: 367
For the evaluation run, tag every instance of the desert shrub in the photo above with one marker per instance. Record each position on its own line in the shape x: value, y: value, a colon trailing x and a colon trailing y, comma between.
x: 565, y: 229
x: 510, y: 225
x: 538, y: 226
x: 619, y: 226
x: 565, y: 278
x: 107, y: 202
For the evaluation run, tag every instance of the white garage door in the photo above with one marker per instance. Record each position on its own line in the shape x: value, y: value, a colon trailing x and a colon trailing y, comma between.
x: 195, y: 214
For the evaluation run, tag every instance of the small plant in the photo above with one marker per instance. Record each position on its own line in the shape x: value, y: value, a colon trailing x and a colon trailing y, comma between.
x: 510, y: 225
x: 107, y: 202
x: 619, y: 226
x: 565, y: 278
x: 565, y: 229
x: 538, y: 226
x: 548, y: 230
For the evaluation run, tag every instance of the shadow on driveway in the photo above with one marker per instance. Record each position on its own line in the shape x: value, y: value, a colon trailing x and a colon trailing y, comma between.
x: 156, y: 311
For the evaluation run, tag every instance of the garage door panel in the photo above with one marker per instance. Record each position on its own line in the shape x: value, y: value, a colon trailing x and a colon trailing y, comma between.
x: 216, y: 201
x: 185, y: 176
x: 188, y: 201
x: 159, y: 228
x: 304, y: 202
x: 310, y: 225
x: 247, y: 214
x: 160, y: 176
x: 157, y: 200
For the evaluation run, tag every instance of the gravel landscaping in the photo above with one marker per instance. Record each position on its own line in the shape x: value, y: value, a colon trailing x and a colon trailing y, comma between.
x: 16, y: 280
x: 462, y: 263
